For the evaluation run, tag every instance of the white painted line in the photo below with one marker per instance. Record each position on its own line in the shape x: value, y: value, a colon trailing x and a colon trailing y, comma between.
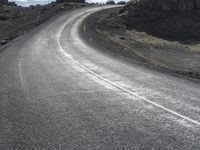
x: 118, y: 86
x: 21, y: 75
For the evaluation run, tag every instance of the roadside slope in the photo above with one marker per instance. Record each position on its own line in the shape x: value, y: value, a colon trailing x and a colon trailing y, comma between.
x: 108, y: 28
x: 49, y: 102
x: 16, y: 20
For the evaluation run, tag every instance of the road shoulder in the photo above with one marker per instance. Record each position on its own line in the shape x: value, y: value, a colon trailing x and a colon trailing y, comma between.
x: 163, y: 56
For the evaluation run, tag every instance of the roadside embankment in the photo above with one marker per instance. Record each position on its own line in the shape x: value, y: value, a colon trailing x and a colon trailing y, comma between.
x: 15, y: 20
x: 108, y: 30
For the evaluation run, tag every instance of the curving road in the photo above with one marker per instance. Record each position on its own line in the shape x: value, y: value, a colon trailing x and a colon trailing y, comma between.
x: 59, y: 92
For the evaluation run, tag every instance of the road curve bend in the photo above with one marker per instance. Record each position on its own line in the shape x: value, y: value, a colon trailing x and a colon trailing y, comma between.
x: 59, y: 92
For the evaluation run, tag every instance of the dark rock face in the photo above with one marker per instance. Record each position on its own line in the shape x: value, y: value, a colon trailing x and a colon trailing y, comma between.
x: 3, y: 2
x: 148, y: 10
x: 196, y: 4
x: 70, y: 1
x: 170, y: 19
x: 167, y: 6
x: 174, y: 5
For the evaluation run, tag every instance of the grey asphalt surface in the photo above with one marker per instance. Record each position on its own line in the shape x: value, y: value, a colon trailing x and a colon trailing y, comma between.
x: 58, y: 92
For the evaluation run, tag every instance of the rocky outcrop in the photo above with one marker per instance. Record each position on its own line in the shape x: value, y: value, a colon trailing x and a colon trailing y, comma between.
x: 169, y: 19
x: 171, y: 5
x: 6, y: 2
x: 2, y: 2
x: 147, y: 10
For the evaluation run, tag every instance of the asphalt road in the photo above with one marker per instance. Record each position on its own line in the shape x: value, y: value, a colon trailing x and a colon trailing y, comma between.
x: 58, y: 92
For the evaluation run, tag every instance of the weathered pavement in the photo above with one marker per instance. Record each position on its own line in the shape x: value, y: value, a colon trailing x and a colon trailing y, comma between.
x: 58, y: 92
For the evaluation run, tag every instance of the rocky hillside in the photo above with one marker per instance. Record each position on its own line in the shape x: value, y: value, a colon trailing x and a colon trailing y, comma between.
x: 171, y: 19
x: 3, y: 2
x: 154, y: 9
x: 170, y: 5
x: 15, y: 20
x: 141, y: 40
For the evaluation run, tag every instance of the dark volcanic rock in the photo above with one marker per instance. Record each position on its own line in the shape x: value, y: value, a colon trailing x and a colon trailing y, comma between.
x: 5, y: 2
x: 170, y: 5
x: 2, y: 2
x: 153, y: 9
x: 171, y: 19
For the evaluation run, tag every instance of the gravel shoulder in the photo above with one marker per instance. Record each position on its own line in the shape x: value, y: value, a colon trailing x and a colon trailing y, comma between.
x: 159, y: 54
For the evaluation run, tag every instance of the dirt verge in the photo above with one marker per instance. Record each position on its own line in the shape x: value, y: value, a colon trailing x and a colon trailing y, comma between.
x: 152, y: 52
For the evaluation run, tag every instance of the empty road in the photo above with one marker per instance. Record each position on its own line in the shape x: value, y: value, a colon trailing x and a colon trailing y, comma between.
x: 58, y: 92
